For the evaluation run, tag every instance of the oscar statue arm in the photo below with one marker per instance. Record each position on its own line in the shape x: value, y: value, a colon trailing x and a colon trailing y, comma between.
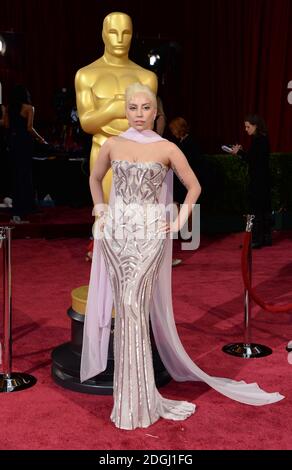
x: 91, y: 117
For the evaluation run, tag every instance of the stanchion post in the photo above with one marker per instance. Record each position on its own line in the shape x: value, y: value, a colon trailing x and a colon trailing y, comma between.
x: 7, y: 341
x: 9, y: 381
x: 247, y: 349
x: 247, y: 301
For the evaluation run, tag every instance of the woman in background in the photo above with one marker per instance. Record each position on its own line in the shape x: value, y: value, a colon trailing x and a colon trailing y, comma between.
x: 19, y: 121
x: 259, y: 188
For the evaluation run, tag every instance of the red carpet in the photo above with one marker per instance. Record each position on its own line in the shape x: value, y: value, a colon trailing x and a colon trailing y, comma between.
x: 207, y: 291
x: 52, y: 222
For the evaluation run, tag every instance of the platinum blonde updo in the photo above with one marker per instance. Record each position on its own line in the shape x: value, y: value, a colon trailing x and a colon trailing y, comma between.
x: 136, y: 87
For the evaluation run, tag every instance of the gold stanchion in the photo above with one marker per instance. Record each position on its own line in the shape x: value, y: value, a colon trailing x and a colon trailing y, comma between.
x: 9, y: 381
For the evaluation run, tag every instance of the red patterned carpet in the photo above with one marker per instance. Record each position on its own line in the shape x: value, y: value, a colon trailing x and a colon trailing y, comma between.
x: 208, y: 301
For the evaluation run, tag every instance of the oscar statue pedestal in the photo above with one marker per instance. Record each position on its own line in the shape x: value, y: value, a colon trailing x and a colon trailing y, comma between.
x: 66, y: 357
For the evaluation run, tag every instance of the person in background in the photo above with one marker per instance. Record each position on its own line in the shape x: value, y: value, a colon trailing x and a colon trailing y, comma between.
x: 21, y: 133
x: 3, y: 140
x: 179, y: 128
x: 259, y: 187
x: 160, y: 121
x: 2, y: 113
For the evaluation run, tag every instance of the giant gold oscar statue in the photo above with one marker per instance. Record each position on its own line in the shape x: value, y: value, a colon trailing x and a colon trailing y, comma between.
x: 100, y: 86
x: 100, y: 95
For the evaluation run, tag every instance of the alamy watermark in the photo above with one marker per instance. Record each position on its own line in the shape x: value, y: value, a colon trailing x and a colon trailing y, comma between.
x: 145, y: 222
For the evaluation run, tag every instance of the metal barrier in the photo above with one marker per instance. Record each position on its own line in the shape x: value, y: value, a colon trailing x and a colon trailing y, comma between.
x: 9, y: 381
x: 247, y: 349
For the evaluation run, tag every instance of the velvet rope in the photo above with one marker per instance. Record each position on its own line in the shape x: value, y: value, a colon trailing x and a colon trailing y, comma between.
x: 247, y: 284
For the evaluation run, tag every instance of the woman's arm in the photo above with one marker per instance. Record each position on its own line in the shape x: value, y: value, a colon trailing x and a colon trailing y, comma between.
x: 160, y: 124
x: 29, y: 112
x: 183, y: 171
x: 101, y: 166
x: 5, y: 119
x: 2, y: 119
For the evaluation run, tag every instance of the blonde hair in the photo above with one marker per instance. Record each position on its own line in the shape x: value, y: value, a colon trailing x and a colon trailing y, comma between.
x: 137, y: 87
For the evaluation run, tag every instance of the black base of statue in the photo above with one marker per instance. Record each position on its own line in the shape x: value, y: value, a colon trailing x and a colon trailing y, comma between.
x: 66, y: 363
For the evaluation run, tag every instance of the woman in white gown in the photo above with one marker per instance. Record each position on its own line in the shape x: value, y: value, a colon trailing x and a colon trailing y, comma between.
x: 131, y: 268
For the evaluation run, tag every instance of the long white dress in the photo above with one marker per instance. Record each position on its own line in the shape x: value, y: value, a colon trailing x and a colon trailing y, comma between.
x: 133, y: 248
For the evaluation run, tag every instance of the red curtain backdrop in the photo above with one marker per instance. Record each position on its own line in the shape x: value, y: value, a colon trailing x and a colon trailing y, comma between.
x: 235, y: 57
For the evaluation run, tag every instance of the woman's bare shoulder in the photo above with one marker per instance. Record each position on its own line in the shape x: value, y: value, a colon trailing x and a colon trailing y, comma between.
x: 27, y: 109
x: 169, y: 146
x: 113, y: 140
x: 27, y: 106
x: 110, y: 143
